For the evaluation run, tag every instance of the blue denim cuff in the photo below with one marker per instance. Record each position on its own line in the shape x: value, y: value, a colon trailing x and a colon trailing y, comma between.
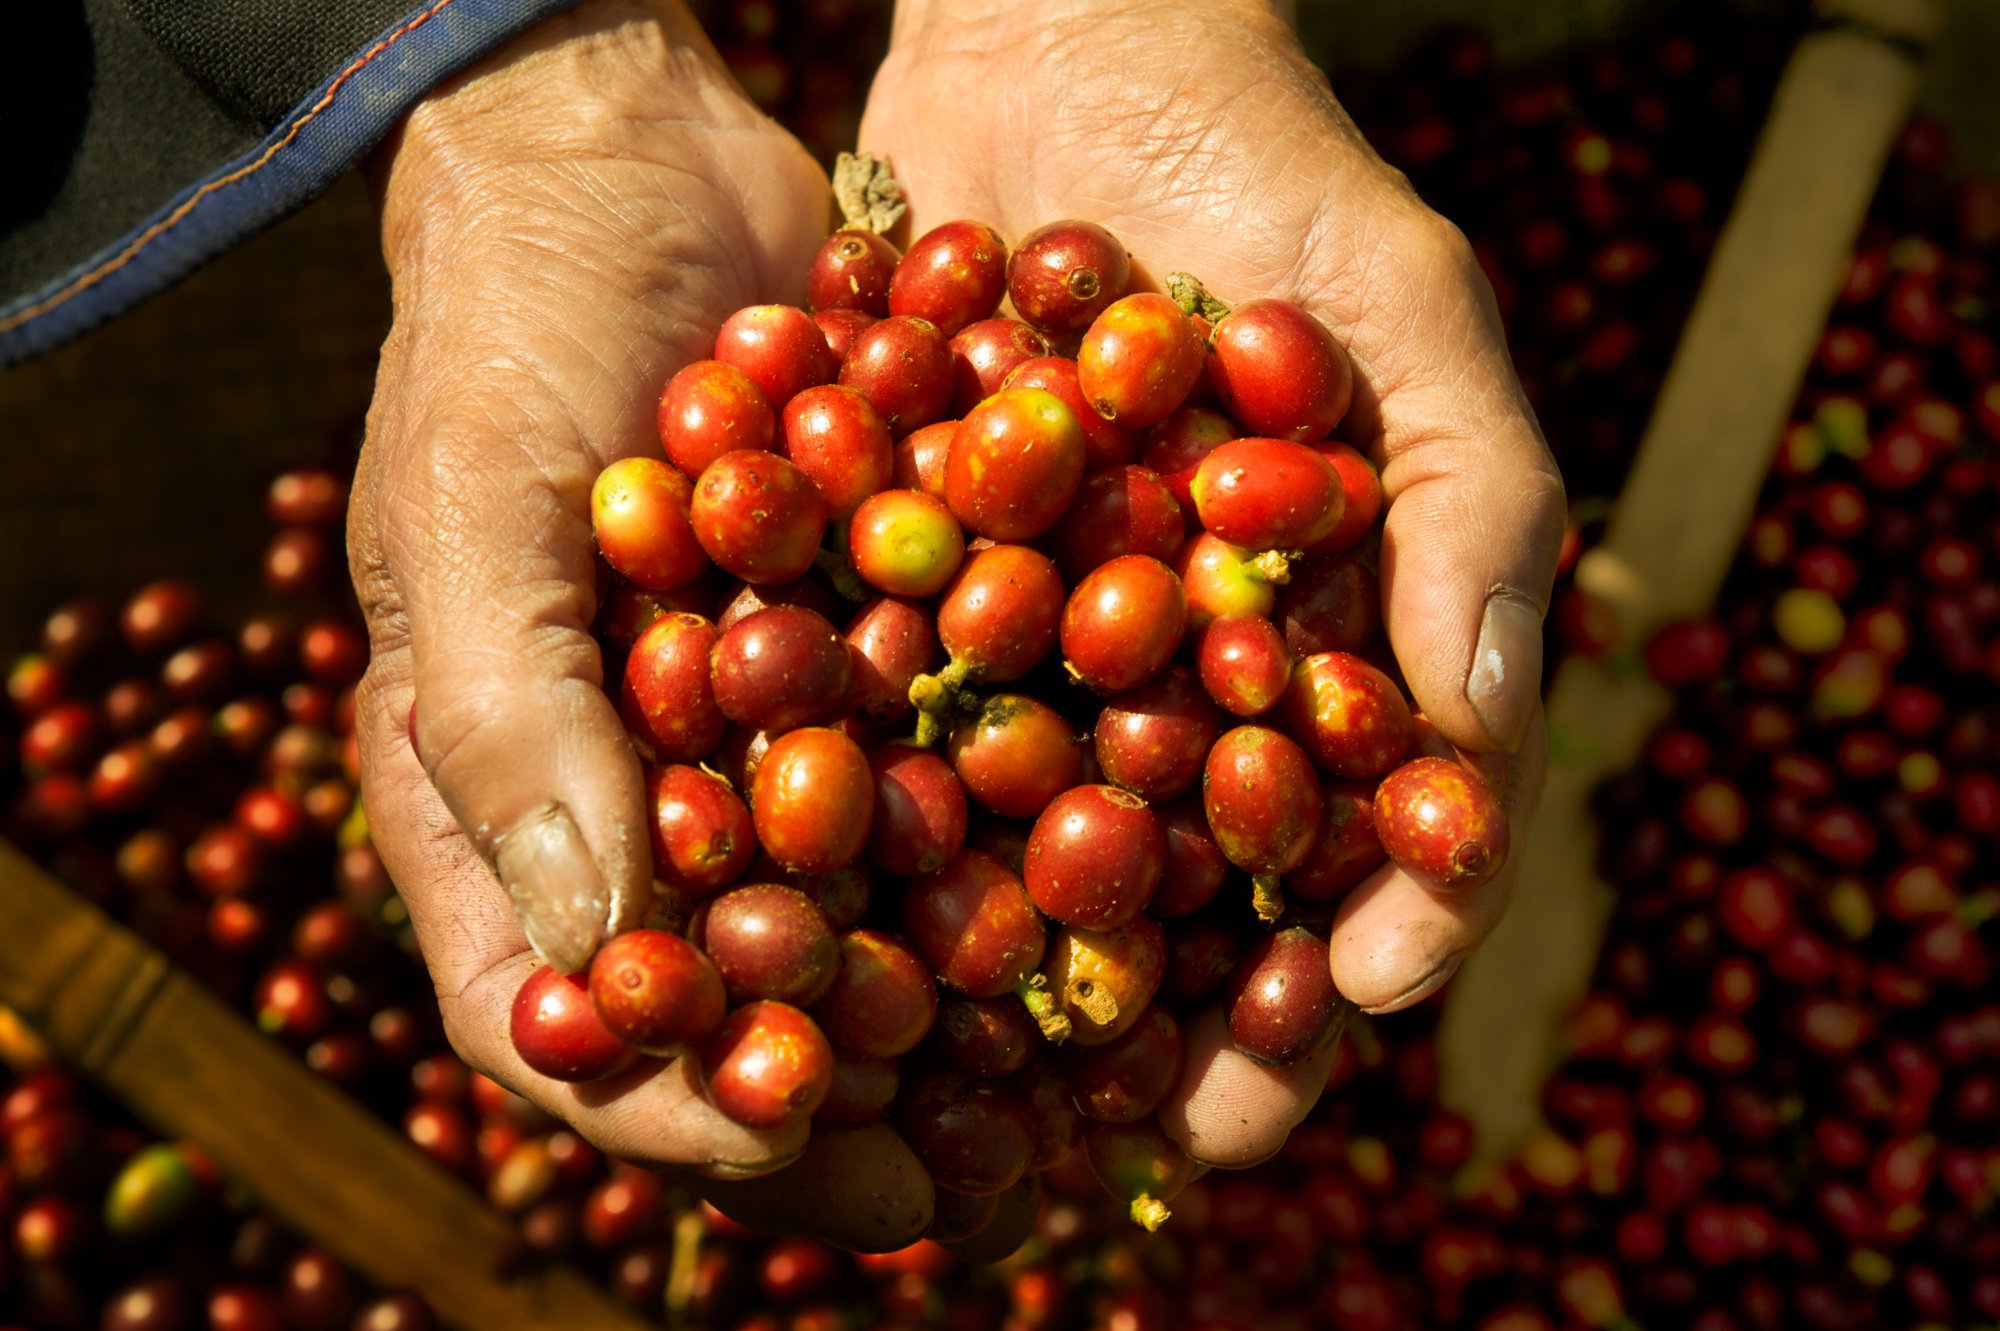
x: 321, y: 138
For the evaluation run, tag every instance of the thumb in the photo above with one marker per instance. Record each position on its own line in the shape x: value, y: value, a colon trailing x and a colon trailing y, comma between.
x: 1475, y: 516
x: 492, y: 549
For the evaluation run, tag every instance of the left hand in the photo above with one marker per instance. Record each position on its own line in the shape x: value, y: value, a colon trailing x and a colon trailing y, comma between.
x: 1201, y: 135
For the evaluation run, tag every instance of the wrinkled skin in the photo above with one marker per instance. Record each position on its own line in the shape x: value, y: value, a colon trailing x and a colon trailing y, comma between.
x: 565, y: 225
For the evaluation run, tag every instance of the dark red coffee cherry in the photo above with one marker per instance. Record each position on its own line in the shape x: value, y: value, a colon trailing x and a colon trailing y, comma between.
x: 1117, y: 511
x: 971, y: 1136
x: 758, y: 516
x: 702, y: 835
x: 667, y: 699
x: 1263, y: 802
x: 656, y: 991
x: 1094, y: 857
x: 952, y: 275
x: 1441, y: 824
x: 1350, y: 716
x: 1268, y: 494
x: 920, y: 811
x: 1279, y: 371
x: 904, y: 367
x: 882, y: 1000
x: 1063, y: 275
x: 1105, y: 443
x: 1016, y: 755
x: 1123, y: 623
x: 1127, y: 1079
x: 709, y: 409
x: 769, y: 941
x: 1346, y: 850
x: 778, y: 348
x: 1280, y: 1000
x: 851, y: 271
x: 985, y: 353
x: 769, y: 1064
x: 558, y: 1033
x: 780, y: 669
x: 1015, y: 464
x: 837, y: 438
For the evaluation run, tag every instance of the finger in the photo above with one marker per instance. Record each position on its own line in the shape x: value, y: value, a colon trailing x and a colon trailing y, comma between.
x: 491, y: 545
x: 1230, y: 1110
x: 479, y: 959
x: 1475, y: 504
x: 1009, y: 1228
x: 1396, y: 942
x: 856, y: 1188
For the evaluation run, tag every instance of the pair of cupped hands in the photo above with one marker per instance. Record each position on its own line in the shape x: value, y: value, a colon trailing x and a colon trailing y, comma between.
x: 568, y: 222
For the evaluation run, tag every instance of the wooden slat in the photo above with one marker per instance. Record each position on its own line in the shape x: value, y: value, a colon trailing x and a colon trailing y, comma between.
x: 1693, y: 486
x: 192, y: 1068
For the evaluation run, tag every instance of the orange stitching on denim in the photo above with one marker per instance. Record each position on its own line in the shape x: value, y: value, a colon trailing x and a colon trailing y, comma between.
x: 175, y: 218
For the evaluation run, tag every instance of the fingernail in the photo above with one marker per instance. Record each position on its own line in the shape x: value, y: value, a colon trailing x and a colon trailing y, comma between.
x: 556, y: 888
x: 1419, y: 991
x: 1506, y: 668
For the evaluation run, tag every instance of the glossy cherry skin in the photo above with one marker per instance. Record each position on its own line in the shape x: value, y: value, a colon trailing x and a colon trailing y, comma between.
x: 904, y: 367
x: 1262, y: 799
x: 701, y: 831
x: 1153, y: 740
x: 666, y: 698
x: 920, y: 811
x: 1267, y: 494
x: 709, y: 409
x: 1015, y: 464
x: 952, y: 275
x: 851, y: 271
x: 1174, y: 449
x: 812, y: 800
x: 905, y: 543
x: 1222, y: 579
x: 1139, y: 360
x: 1016, y: 755
x: 1125, y: 1080
x: 1123, y: 623
x: 768, y: 1064
x: 1064, y: 274
x: 1350, y: 716
x: 769, y: 941
x: 1118, y: 511
x: 1105, y: 978
x: 1105, y: 444
x: 758, y: 516
x: 836, y: 437
x: 558, y: 1033
x: 987, y: 1037
x: 882, y: 1000
x: 779, y: 669
x: 920, y: 458
x: 975, y: 924
x: 1346, y: 850
x: 1329, y: 605
x: 985, y: 353
x: 1094, y: 857
x: 1279, y: 371
x: 1441, y: 824
x: 972, y: 1136
x: 1195, y: 868
x: 656, y: 991
x: 1244, y: 664
x: 778, y: 348
x: 1280, y: 999
x: 1361, y: 486
x: 842, y: 327
x: 889, y: 643
x: 1002, y: 613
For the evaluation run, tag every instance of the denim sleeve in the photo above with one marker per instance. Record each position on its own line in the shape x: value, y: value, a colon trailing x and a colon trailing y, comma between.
x: 274, y: 163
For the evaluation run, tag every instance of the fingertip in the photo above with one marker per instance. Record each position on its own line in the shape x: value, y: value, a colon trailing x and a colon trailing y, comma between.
x: 1231, y: 1111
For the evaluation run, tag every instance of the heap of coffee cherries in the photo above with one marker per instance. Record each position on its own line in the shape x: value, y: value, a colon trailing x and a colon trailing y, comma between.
x: 1008, y: 686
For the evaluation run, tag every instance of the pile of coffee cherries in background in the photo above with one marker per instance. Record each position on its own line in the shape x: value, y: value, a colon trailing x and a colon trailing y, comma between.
x: 109, y: 1228
x: 960, y: 661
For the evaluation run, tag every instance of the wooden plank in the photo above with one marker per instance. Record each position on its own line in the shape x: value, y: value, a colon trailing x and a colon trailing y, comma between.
x: 192, y: 1068
x: 1691, y: 493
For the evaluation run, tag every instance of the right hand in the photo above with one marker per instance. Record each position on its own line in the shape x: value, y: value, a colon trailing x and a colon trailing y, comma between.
x: 565, y: 225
